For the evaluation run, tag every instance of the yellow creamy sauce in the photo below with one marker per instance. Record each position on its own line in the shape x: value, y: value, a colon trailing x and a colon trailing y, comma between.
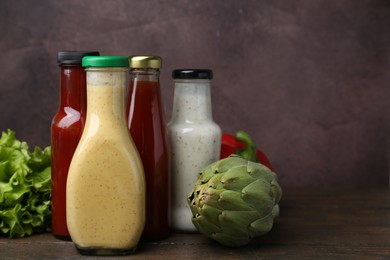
x: 105, y: 186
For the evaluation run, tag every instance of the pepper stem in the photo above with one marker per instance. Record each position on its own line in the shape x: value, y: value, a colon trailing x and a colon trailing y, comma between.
x: 249, y: 152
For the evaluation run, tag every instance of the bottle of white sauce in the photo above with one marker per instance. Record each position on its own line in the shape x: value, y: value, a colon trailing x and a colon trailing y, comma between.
x: 194, y: 137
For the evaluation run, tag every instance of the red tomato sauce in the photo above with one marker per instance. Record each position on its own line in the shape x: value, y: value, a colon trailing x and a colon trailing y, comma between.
x: 147, y: 127
x: 66, y: 129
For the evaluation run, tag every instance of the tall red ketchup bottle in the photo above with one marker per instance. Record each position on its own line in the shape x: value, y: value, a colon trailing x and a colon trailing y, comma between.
x: 66, y: 129
x: 147, y: 125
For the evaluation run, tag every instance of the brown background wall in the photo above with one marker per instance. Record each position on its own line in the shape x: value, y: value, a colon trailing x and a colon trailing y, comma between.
x: 308, y: 79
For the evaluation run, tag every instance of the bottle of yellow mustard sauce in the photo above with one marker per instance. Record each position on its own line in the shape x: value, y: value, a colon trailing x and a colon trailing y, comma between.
x: 105, y: 199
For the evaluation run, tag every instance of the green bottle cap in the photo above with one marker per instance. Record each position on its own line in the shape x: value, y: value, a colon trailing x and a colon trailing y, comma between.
x: 105, y: 61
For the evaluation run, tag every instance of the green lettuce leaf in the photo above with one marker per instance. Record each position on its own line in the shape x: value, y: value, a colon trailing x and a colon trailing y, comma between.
x: 25, y: 187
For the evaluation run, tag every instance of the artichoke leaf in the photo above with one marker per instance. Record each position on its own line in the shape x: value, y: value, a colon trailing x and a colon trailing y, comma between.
x: 232, y: 200
x: 276, y: 190
x: 211, y: 214
x: 208, y: 196
x: 276, y: 211
x: 214, y: 182
x: 262, y: 226
x: 205, y: 175
x: 236, y: 179
x: 257, y: 194
x: 263, y: 206
x: 228, y: 164
x: 236, y: 223
x: 263, y: 174
x: 208, y: 216
x: 258, y: 168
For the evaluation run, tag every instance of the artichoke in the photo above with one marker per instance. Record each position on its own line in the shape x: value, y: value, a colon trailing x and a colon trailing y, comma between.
x: 235, y: 200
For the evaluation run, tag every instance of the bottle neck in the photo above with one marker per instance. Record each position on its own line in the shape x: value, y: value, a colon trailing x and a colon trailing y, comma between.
x: 105, y: 97
x: 152, y: 75
x: 144, y: 103
x: 73, y: 87
x: 145, y: 82
x: 192, y: 101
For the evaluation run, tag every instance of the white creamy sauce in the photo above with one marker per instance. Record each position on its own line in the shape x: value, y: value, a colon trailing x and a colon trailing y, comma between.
x: 195, y: 143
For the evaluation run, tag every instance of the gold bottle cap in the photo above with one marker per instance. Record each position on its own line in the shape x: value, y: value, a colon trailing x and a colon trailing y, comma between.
x: 145, y: 62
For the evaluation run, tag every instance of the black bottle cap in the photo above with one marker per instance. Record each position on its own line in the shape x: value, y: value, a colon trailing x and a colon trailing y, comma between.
x: 73, y: 57
x: 192, y: 74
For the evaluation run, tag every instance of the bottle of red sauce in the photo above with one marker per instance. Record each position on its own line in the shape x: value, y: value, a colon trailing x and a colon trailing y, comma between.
x: 147, y: 125
x: 66, y: 129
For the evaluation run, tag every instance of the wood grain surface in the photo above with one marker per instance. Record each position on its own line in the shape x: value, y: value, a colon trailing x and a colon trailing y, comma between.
x: 325, y: 224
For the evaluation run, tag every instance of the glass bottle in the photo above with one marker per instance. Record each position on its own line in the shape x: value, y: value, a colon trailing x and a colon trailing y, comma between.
x: 147, y: 125
x: 195, y: 139
x: 66, y: 129
x: 106, y: 186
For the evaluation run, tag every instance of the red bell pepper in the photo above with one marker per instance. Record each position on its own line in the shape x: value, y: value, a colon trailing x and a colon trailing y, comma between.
x: 243, y: 145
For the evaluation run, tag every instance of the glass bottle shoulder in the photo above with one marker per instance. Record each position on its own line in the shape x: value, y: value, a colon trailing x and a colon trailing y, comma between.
x: 67, y: 117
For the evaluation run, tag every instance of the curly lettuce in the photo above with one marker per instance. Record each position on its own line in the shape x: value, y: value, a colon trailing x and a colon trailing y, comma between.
x: 25, y: 187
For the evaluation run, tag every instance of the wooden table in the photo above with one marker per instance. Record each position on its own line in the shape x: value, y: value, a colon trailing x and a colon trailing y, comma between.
x: 343, y: 224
